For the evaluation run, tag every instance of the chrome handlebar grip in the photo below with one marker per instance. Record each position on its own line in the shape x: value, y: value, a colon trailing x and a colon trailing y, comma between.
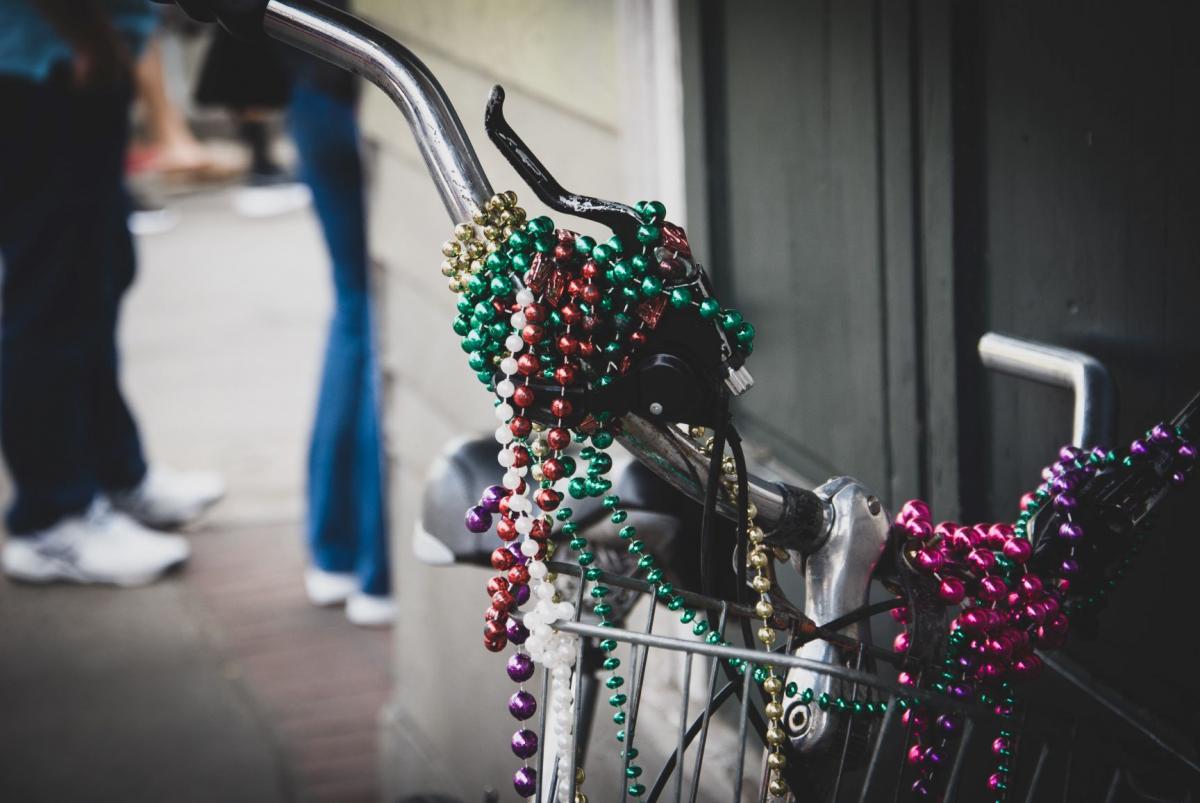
x: 353, y: 44
x: 1095, y: 396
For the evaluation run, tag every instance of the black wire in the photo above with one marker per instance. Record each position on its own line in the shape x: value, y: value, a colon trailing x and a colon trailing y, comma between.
x: 721, y: 432
x: 708, y: 519
x: 664, y: 774
x: 743, y: 503
x: 741, y: 545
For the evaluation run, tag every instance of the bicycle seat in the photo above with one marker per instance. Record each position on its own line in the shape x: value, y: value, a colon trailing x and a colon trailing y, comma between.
x: 467, y: 466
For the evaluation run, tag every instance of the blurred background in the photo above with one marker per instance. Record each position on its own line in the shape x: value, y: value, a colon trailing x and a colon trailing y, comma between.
x: 875, y: 185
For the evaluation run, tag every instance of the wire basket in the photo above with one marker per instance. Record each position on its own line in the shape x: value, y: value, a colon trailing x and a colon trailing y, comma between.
x: 1104, y: 749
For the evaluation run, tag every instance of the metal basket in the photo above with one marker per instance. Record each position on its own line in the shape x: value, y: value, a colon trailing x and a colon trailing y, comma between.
x: 1058, y: 758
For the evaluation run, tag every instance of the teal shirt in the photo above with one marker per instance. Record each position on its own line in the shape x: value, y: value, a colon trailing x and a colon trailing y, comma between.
x: 30, y: 47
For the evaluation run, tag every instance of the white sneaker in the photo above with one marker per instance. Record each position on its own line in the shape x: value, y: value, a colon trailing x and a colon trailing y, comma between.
x: 168, y: 498
x: 100, y: 546
x: 328, y: 588
x: 148, y: 222
x: 271, y: 201
x: 367, y: 610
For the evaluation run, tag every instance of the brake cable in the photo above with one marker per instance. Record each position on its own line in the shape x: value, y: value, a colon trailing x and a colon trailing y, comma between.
x: 711, y: 491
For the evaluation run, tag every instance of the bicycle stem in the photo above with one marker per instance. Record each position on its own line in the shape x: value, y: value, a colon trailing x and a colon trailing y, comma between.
x: 798, y: 518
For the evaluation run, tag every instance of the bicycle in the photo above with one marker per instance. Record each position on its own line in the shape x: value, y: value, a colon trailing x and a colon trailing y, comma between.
x: 833, y: 724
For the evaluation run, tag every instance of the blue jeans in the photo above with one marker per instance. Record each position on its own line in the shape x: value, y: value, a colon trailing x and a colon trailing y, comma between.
x: 68, y: 259
x: 347, y: 515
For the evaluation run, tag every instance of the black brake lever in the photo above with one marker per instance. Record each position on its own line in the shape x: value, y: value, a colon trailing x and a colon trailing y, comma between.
x: 621, y: 219
x: 685, y: 358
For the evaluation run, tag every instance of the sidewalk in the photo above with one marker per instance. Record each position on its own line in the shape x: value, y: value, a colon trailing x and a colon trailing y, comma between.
x: 222, y: 683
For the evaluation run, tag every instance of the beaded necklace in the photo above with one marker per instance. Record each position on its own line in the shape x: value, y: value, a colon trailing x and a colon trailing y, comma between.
x: 1007, y: 609
x: 543, y: 305
x: 531, y: 301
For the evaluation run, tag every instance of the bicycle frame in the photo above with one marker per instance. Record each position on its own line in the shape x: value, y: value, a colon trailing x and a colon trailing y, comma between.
x: 834, y: 522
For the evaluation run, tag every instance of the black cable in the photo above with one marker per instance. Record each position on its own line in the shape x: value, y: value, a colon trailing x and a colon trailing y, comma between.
x: 742, y: 546
x: 721, y: 432
x: 664, y: 774
x: 708, y: 519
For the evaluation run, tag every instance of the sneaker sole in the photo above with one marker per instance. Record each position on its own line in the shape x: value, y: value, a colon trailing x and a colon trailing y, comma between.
x: 172, y: 523
x: 374, y: 624
x: 328, y: 599
x: 371, y: 618
x: 47, y: 570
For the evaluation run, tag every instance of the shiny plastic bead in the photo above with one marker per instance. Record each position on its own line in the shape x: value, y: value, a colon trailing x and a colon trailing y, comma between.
x: 745, y: 333
x: 681, y: 297
x: 648, y: 234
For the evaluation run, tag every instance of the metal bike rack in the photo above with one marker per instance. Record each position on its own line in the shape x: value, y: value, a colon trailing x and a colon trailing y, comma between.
x: 1083, y: 374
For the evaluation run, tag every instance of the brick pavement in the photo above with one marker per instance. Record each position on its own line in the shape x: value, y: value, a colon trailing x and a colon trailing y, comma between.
x: 318, y: 682
x: 221, y: 683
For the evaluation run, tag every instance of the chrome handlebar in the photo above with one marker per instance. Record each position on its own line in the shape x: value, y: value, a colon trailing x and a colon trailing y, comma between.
x: 351, y: 43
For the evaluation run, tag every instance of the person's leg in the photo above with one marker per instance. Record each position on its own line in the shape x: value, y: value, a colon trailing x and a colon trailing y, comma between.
x: 60, y: 171
x: 347, y: 518
x: 255, y: 132
x: 116, y: 446
x: 175, y: 149
x: 166, y: 128
x: 374, y: 569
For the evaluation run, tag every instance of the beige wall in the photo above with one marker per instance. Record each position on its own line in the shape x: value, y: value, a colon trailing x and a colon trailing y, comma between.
x: 562, y: 52
x: 566, y: 67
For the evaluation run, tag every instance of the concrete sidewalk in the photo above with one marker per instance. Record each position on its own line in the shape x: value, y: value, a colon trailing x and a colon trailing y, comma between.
x: 222, y: 683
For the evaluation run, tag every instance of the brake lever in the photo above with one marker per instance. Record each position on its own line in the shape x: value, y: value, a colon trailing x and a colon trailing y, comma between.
x: 621, y: 219
x: 688, y: 343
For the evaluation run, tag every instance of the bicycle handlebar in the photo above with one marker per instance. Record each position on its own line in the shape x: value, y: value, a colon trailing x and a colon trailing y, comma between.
x: 349, y: 42
x: 798, y: 516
